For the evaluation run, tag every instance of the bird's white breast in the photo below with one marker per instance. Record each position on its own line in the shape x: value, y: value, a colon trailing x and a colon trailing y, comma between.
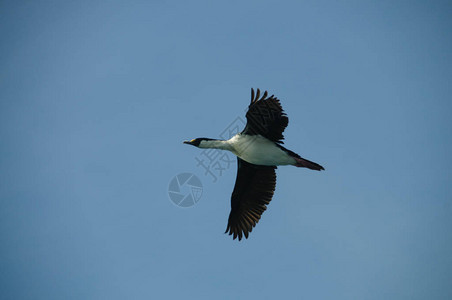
x: 258, y: 150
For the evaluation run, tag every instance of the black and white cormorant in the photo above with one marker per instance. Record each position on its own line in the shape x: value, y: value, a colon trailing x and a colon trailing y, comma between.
x: 259, y: 151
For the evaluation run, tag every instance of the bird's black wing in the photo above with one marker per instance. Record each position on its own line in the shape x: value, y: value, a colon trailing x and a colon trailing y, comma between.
x: 253, y: 191
x: 266, y: 117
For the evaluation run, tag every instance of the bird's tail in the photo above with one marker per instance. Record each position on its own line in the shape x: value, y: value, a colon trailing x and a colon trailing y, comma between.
x: 304, y: 163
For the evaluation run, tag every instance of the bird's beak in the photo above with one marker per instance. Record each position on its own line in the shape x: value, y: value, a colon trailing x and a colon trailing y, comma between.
x: 187, y: 142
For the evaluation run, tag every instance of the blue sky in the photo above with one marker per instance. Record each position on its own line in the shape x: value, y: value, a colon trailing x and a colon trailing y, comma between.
x: 97, y: 98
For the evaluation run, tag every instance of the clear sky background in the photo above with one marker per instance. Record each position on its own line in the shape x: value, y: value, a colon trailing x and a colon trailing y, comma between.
x: 97, y: 97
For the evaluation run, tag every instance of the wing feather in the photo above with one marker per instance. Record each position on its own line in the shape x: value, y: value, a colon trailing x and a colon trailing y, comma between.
x: 266, y: 117
x: 253, y: 191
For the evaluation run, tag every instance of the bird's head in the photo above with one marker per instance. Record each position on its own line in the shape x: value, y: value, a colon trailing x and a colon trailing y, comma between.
x: 199, y: 142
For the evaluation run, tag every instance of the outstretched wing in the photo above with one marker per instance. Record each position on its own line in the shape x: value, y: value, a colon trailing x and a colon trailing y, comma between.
x: 266, y: 117
x: 253, y: 191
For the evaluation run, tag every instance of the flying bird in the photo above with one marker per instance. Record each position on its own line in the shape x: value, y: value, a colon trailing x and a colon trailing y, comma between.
x: 259, y: 151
